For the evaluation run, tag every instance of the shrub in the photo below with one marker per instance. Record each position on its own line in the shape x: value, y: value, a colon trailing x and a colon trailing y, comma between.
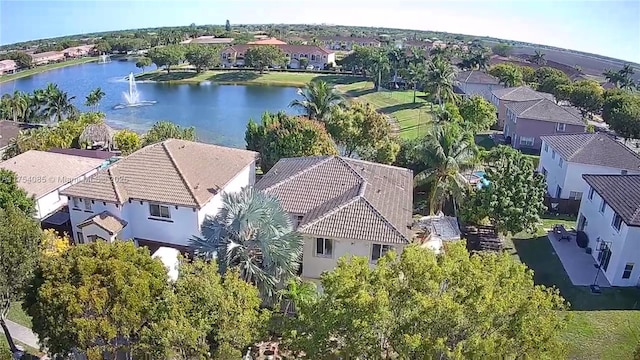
x: 582, y: 239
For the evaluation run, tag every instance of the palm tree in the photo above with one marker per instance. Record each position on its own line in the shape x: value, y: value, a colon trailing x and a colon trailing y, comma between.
x: 447, y: 152
x: 318, y: 98
x: 58, y: 103
x: 379, y: 65
x: 414, y: 74
x: 94, y: 97
x: 252, y: 233
x: 439, y: 80
x: 538, y: 58
x: 16, y: 105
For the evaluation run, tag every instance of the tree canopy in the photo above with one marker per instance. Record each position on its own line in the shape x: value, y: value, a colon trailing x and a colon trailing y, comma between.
x: 621, y: 110
x: 164, y: 130
x: 423, y: 306
x: 143, y: 62
x: 502, y: 49
x: 260, y: 57
x: 318, y: 98
x: 280, y: 135
x: 477, y: 114
x: 167, y: 56
x: 12, y: 195
x: 127, y: 141
x: 510, y: 75
x: 202, y: 56
x: 513, y: 200
x: 550, y: 80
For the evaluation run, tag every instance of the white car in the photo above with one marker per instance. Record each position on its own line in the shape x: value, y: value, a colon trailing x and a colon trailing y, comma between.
x: 309, y: 67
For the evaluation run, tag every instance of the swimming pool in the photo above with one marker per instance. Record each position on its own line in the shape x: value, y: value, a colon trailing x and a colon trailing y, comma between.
x: 483, y: 181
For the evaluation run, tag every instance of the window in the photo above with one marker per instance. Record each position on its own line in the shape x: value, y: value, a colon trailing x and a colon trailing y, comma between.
x: 324, y: 247
x: 299, y: 220
x: 561, y: 127
x: 313, y: 57
x: 159, y: 211
x: 603, y: 205
x: 575, y: 195
x: 558, y: 192
x: 92, y: 238
x: 628, y: 268
x: 546, y: 148
x: 79, y: 238
x: 617, y: 222
x: 553, y: 154
x: 561, y: 162
x: 378, y: 251
x: 76, y: 203
x: 591, y: 191
x: 87, y: 204
x: 527, y: 141
x: 544, y: 172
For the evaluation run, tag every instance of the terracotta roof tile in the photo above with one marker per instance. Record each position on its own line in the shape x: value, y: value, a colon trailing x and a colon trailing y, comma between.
x: 105, y: 220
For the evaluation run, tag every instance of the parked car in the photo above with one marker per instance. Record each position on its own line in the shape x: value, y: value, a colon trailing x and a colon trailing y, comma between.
x: 309, y: 67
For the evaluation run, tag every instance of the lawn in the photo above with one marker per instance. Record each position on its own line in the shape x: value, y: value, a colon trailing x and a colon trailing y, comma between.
x: 605, y: 326
x: 411, y: 119
x: 43, y: 68
x: 17, y: 315
x: 247, y: 77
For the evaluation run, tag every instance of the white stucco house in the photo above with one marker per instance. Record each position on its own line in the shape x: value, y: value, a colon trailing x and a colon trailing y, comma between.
x: 565, y: 158
x: 474, y: 82
x: 45, y: 175
x: 159, y: 195
x: 343, y: 206
x: 610, y: 216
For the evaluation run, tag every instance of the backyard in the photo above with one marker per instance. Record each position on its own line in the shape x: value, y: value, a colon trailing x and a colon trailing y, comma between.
x: 605, y: 326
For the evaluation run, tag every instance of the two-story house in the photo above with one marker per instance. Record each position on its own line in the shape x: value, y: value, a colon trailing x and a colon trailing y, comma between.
x: 501, y: 97
x: 343, y: 206
x: 610, y: 216
x: 315, y: 55
x: 160, y: 194
x: 475, y: 82
x: 45, y: 175
x: 565, y: 158
x: 527, y: 121
x: 347, y: 43
x: 8, y: 67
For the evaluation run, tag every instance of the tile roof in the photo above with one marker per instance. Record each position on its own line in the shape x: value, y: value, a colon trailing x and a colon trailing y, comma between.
x: 349, y: 39
x: 520, y: 93
x: 344, y: 198
x: 269, y: 41
x: 476, y: 77
x: 176, y: 172
x: 594, y: 149
x: 544, y: 110
x: 105, y: 220
x: 621, y: 192
x: 41, y: 172
x: 242, y: 48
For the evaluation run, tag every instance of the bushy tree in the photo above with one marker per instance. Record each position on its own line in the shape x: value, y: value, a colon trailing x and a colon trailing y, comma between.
x: 477, y: 114
x: 167, y: 56
x: 164, y: 130
x: 510, y: 75
x: 260, y: 57
x: 513, y: 200
x: 588, y: 96
x: 549, y: 79
x: 280, y: 135
x: 143, y: 62
x: 12, y: 195
x: 621, y: 110
x: 422, y: 306
x: 97, y: 298
x: 20, y: 237
x: 53, y: 244
x: 127, y: 141
x: 502, y: 49
x: 202, y: 56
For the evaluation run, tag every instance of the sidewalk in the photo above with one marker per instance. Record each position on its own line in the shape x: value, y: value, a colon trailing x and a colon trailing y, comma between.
x: 22, y: 334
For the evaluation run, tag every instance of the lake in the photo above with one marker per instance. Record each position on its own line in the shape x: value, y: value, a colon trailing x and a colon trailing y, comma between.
x: 219, y: 113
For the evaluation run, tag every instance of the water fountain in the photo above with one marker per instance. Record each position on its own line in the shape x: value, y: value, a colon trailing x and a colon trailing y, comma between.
x: 132, y: 97
x: 103, y: 59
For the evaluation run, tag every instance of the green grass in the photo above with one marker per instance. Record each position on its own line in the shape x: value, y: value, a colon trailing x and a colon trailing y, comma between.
x: 246, y: 77
x: 43, y: 68
x: 605, y: 326
x: 31, y: 353
x: 17, y: 315
x: 411, y: 119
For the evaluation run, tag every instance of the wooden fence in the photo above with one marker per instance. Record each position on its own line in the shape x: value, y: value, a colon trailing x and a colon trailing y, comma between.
x: 562, y: 206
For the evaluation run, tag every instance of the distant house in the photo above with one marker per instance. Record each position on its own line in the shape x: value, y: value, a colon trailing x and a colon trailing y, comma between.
x: 316, y: 56
x: 8, y: 67
x: 78, y: 51
x: 501, y: 97
x: 210, y: 40
x: 343, y: 206
x: 413, y: 43
x: 565, y: 158
x: 347, y: 43
x: 8, y: 131
x: 610, y: 217
x: 527, y: 121
x: 44, y: 175
x: 267, y: 41
x: 47, y: 57
x: 159, y: 195
x: 475, y: 82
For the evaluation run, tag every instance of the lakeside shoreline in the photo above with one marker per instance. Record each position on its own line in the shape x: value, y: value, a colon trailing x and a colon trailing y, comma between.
x: 44, y: 68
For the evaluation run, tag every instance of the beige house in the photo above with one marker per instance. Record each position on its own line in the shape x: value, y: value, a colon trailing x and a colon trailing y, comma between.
x: 8, y: 67
x: 47, y: 57
x: 78, y: 51
x: 316, y: 56
x: 347, y: 43
x: 343, y: 207
x: 211, y: 40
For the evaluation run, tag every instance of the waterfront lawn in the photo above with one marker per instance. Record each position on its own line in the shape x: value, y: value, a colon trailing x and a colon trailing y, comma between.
x: 411, y: 119
x: 43, y: 68
x: 605, y: 326
x: 248, y: 77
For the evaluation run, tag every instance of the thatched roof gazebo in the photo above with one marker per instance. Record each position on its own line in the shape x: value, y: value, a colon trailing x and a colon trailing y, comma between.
x: 98, y: 135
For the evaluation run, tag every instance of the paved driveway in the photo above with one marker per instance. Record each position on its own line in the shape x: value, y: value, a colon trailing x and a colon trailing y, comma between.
x: 576, y: 262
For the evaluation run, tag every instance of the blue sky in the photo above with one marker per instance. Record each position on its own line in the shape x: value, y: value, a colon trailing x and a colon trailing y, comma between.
x: 607, y: 27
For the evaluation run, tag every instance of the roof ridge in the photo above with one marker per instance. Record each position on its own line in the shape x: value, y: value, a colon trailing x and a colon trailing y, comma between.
x: 111, y: 172
x: 536, y: 102
x: 357, y: 174
x: 389, y: 223
x: 179, y: 171
x: 299, y: 173
x: 582, y: 146
x: 331, y: 212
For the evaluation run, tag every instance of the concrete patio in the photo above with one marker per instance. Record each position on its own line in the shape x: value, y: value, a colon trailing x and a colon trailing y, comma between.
x: 576, y: 262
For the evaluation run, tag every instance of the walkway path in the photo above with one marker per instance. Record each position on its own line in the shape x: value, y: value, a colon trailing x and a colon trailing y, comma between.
x: 576, y: 262
x: 22, y: 334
